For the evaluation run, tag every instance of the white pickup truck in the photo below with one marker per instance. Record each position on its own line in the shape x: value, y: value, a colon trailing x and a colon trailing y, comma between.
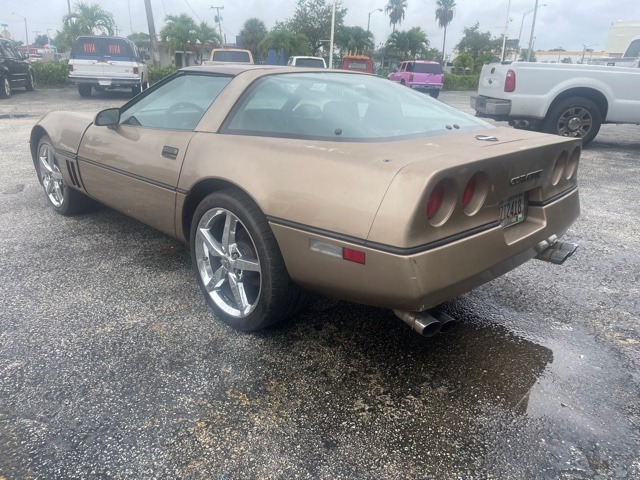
x: 568, y: 100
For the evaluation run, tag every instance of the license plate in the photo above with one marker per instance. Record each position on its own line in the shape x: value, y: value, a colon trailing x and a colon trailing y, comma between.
x: 512, y: 210
x: 104, y: 83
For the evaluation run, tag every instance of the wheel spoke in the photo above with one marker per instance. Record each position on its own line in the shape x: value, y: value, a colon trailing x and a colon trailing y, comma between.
x: 247, y: 264
x: 44, y: 163
x: 239, y: 294
x: 229, y: 233
x: 211, y: 244
x: 216, y: 280
x: 48, y: 186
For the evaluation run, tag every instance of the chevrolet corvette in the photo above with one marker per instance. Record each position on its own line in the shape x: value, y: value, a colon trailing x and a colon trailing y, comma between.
x: 283, y: 180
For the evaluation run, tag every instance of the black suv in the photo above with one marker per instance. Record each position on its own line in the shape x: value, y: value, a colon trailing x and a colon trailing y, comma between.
x: 14, y: 70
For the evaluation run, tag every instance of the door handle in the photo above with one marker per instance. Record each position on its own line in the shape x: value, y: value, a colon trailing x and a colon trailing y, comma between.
x: 170, y: 152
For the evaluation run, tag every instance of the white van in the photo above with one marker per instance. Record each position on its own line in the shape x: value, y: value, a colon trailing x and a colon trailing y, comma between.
x: 313, y: 62
x: 107, y: 62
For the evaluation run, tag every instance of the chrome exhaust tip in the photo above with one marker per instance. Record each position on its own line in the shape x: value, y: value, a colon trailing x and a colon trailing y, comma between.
x: 553, y: 251
x: 421, y: 322
x: 447, y: 323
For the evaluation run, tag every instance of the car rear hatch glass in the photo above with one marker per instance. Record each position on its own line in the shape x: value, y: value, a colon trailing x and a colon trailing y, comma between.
x: 433, y: 68
x: 231, y: 56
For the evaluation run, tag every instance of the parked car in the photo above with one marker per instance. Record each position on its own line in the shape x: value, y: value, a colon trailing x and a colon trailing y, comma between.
x: 357, y: 63
x: 229, y: 55
x: 421, y: 75
x: 312, y: 62
x: 284, y: 178
x: 568, y: 100
x: 98, y: 62
x: 15, y: 71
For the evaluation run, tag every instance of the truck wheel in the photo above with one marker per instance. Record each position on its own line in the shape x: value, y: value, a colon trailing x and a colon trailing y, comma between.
x: 434, y: 93
x: 84, y: 90
x: 574, y: 117
x: 5, y: 88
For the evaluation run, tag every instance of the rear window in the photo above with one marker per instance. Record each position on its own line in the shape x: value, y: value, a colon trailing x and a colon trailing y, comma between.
x: 310, y: 62
x: 427, y: 68
x: 357, y: 65
x: 231, y: 56
x: 95, y: 46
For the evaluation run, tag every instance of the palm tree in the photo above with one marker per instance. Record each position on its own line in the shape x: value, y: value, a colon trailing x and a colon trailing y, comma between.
x: 444, y: 14
x: 278, y: 39
x: 417, y: 42
x: 90, y: 19
x: 252, y: 33
x: 179, y: 31
x: 396, y: 9
x: 354, y: 40
x: 399, y: 41
x: 205, y: 33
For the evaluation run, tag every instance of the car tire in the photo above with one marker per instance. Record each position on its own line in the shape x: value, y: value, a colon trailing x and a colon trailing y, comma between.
x: 136, y: 89
x: 574, y: 117
x: 84, y: 90
x: 434, y: 93
x: 238, y: 264
x: 30, y: 86
x: 63, y: 199
x: 5, y: 91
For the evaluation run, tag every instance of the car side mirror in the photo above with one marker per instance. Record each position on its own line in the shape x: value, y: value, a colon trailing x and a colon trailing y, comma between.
x: 105, y: 118
x: 25, y: 56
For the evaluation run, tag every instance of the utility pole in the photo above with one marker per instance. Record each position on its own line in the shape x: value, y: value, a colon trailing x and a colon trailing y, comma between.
x: 504, y: 35
x: 152, y: 34
x: 218, y: 19
x: 533, y: 26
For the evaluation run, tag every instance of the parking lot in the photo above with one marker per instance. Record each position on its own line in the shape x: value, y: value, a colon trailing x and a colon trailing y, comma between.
x: 112, y: 366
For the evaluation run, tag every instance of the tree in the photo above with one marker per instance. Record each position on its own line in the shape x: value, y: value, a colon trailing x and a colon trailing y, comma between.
x: 41, y: 40
x: 395, y: 9
x: 523, y: 55
x: 482, y: 46
x: 205, y: 33
x: 409, y: 44
x: 566, y: 60
x: 463, y: 62
x: 312, y: 19
x: 279, y: 40
x: 444, y: 15
x: 141, y: 39
x: 180, y: 32
x: 252, y: 33
x: 354, y: 40
x: 91, y: 19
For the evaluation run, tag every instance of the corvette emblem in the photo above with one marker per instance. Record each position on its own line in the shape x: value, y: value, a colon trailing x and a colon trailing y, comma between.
x: 525, y: 178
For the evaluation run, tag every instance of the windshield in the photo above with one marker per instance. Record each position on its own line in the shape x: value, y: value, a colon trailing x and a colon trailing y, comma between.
x: 342, y: 106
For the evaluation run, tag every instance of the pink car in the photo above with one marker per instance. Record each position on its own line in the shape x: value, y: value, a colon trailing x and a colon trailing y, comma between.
x: 420, y: 75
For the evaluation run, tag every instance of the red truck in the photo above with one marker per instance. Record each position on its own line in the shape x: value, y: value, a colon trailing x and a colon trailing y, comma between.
x: 359, y: 63
x: 421, y: 75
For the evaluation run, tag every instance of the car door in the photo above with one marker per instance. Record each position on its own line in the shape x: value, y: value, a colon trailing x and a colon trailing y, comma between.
x: 18, y: 68
x: 134, y: 165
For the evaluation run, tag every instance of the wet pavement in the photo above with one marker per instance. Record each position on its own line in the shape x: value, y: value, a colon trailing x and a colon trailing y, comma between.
x: 111, y: 366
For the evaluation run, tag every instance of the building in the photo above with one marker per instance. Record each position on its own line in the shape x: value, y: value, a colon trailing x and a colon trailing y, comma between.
x: 620, y: 34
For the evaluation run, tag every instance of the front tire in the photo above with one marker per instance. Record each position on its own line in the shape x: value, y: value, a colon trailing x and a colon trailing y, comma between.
x: 5, y: 91
x: 238, y: 264
x: 574, y: 117
x: 30, y: 87
x: 63, y: 199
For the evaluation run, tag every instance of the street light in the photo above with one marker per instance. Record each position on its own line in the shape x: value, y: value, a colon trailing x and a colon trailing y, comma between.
x: 522, y: 23
x: 369, y: 19
x: 26, y: 34
x: 584, y: 49
x: 533, y: 27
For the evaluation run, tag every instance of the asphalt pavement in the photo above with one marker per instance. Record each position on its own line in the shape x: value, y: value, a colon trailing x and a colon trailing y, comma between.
x: 112, y: 366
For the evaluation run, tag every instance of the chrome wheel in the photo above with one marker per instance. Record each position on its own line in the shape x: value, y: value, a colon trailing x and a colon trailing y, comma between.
x: 50, y: 175
x: 228, y: 263
x: 575, y: 122
x: 6, y: 88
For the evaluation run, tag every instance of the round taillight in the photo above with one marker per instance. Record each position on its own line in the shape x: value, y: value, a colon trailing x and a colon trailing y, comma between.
x: 558, y: 170
x: 469, y: 190
x: 572, y: 165
x: 435, y: 201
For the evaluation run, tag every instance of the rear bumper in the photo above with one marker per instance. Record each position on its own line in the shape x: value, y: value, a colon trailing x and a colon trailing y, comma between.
x: 490, y: 106
x: 106, y: 82
x: 425, y: 279
x: 424, y: 87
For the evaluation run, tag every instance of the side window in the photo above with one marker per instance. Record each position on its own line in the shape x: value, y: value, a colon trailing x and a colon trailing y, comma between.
x: 409, y: 67
x: 178, y: 104
x: 2, y: 52
x: 403, y: 66
x: 11, y: 51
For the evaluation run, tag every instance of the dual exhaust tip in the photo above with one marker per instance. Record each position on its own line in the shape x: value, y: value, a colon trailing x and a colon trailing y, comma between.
x: 427, y: 323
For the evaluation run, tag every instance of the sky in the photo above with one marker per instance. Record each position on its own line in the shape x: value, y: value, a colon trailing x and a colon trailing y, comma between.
x: 568, y: 24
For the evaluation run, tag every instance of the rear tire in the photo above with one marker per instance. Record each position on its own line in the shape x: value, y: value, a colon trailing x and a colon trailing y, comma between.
x: 63, y: 199
x: 434, y: 93
x: 84, y: 90
x: 574, y: 117
x: 136, y: 89
x: 238, y: 264
x: 5, y: 91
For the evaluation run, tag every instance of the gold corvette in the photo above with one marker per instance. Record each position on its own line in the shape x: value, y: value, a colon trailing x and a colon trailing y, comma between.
x: 283, y: 179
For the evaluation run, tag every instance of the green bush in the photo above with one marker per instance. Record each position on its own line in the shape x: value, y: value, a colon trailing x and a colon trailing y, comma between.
x: 51, y: 74
x: 460, y: 82
x: 158, y: 73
